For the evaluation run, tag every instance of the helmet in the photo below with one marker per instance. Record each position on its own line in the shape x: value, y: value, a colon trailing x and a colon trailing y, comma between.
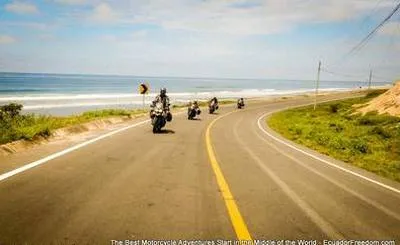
x: 195, y: 102
x: 163, y: 91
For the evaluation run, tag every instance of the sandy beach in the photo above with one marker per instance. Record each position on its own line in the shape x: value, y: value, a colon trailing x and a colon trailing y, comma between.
x: 58, y: 94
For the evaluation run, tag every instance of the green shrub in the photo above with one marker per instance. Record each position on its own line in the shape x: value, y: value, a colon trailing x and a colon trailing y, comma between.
x: 338, y: 143
x: 107, y: 112
x: 394, y: 147
x: 381, y: 132
x: 372, y: 118
x: 299, y: 131
x: 360, y: 145
x: 375, y: 93
x: 11, y: 110
x: 334, y: 108
x: 322, y: 139
x: 366, y: 120
x: 338, y: 127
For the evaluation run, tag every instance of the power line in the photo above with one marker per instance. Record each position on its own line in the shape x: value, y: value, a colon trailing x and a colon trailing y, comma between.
x: 365, y: 40
x: 340, y: 74
x: 371, y: 13
x: 359, y: 77
x: 389, y: 46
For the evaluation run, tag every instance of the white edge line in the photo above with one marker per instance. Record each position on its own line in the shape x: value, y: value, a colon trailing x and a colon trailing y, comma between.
x: 68, y: 150
x: 320, y: 159
x: 63, y: 152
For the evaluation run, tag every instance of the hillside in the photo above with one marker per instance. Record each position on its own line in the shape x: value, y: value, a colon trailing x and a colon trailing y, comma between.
x: 388, y: 102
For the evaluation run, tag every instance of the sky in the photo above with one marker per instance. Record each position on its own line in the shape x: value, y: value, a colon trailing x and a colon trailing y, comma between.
x: 282, y: 39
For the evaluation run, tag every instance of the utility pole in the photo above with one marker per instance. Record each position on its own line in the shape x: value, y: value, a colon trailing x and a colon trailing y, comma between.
x: 144, y: 102
x: 370, y: 79
x: 317, y: 85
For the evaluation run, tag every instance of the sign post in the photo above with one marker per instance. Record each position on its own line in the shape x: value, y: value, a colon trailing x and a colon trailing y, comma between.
x: 143, y: 89
x: 317, y: 85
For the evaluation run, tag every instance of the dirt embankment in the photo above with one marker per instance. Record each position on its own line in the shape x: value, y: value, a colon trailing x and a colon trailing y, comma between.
x: 388, y: 102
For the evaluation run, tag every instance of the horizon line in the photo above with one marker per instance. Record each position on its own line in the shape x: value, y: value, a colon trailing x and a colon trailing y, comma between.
x: 179, y: 77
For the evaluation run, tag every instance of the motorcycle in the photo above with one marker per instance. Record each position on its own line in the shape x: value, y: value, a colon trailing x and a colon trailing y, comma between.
x: 159, y: 118
x: 213, y: 106
x: 193, y: 112
x: 240, y: 104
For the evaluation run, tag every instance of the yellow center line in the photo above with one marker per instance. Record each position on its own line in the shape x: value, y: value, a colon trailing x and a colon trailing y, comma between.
x: 238, y: 223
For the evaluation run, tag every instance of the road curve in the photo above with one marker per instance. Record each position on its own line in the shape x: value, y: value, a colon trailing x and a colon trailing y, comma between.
x: 136, y: 185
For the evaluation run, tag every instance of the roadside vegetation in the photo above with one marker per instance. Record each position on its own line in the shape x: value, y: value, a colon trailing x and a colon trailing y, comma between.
x: 16, y: 126
x: 205, y: 103
x: 371, y: 142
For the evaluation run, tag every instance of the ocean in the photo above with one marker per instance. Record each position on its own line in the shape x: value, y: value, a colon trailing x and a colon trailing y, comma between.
x: 60, y: 94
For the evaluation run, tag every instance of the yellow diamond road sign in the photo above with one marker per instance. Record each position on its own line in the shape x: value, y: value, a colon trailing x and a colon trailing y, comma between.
x: 143, y: 88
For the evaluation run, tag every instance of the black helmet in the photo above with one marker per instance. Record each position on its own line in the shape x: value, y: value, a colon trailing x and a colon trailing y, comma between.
x: 163, y: 91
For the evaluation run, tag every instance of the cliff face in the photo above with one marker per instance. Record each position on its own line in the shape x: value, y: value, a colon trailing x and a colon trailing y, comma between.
x: 388, y: 102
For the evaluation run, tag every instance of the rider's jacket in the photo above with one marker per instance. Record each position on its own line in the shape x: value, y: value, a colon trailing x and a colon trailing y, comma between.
x: 163, y: 99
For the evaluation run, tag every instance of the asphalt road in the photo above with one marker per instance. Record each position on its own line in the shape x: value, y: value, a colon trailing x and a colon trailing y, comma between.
x: 237, y: 183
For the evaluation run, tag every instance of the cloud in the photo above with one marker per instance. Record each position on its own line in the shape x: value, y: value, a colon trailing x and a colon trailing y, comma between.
x: 139, y: 34
x: 47, y: 37
x: 108, y: 38
x: 390, y: 29
x: 21, y: 8
x: 247, y: 18
x: 103, y: 13
x: 5, y: 39
x: 124, y: 39
x: 205, y: 38
x: 244, y: 4
x: 71, y: 2
x: 24, y: 24
x: 238, y: 17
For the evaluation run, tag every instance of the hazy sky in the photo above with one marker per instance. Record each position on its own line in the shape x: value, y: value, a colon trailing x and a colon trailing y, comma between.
x: 205, y: 38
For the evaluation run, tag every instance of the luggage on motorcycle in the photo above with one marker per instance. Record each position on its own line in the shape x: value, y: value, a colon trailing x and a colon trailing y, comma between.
x: 169, y: 117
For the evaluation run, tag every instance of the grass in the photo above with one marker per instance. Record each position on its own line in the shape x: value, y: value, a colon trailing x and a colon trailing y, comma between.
x: 31, y: 126
x: 371, y: 142
x: 205, y: 103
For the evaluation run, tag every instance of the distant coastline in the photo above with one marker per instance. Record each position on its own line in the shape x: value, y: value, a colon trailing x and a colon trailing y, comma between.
x: 65, y: 94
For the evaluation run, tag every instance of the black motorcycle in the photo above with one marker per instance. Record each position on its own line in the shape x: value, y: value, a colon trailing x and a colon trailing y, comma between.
x: 159, y: 118
x: 240, y: 104
x: 212, y: 107
x: 193, y: 112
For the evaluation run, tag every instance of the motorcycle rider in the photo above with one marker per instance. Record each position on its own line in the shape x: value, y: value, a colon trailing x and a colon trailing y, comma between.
x: 240, y: 101
x: 215, y: 101
x: 164, y: 99
x: 194, y: 105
